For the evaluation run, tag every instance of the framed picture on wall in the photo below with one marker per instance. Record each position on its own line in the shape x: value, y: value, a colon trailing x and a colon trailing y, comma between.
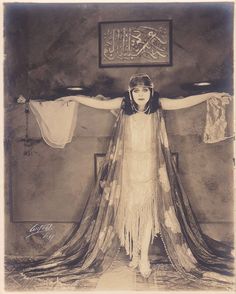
x: 135, y: 43
x: 98, y: 160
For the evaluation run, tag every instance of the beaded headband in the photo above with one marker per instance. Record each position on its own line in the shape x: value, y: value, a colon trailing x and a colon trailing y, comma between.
x: 140, y: 79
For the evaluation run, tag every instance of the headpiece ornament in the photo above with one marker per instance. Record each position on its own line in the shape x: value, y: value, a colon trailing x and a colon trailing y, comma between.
x: 140, y: 79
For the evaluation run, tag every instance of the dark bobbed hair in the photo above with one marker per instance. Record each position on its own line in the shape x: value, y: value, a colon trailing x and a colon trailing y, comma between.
x: 130, y: 107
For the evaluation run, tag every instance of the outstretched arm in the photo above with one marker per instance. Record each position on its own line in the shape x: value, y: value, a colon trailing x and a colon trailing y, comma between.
x: 173, y: 104
x: 93, y: 102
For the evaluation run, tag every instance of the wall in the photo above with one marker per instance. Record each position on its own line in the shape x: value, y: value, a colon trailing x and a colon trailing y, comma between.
x: 49, y: 46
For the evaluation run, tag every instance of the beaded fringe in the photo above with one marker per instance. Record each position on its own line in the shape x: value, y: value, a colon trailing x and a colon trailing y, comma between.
x: 132, y: 225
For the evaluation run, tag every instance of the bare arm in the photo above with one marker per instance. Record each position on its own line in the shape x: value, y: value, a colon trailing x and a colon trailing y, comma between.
x: 93, y: 102
x: 173, y: 104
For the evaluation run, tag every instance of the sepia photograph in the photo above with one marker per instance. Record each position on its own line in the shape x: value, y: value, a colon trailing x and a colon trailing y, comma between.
x: 118, y: 146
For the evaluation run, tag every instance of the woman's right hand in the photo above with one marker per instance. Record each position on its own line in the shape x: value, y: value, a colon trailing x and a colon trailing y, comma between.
x: 66, y: 99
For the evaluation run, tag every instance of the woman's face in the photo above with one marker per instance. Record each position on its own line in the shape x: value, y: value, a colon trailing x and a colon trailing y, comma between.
x: 141, y: 95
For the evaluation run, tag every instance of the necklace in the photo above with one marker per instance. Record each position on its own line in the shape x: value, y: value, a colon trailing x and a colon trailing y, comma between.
x: 140, y: 111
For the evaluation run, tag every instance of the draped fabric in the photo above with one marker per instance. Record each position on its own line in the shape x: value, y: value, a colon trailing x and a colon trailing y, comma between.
x: 193, y: 254
x: 92, y: 245
x: 216, y: 123
x: 56, y: 121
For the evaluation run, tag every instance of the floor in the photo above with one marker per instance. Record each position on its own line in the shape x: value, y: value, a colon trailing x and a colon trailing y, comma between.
x: 119, y: 277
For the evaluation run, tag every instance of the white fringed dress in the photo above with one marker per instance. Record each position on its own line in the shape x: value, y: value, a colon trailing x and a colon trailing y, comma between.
x: 137, y: 206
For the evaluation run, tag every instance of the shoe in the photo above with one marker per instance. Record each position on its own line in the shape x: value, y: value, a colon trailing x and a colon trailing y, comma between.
x: 134, y: 263
x: 145, y: 269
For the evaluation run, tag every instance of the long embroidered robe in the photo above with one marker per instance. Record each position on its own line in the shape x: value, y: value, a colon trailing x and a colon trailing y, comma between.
x: 92, y: 245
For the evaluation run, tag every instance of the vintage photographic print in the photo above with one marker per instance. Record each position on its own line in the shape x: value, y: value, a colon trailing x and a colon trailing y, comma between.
x: 118, y: 146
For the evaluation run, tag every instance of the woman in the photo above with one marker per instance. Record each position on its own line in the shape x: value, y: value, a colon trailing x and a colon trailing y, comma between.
x: 138, y: 195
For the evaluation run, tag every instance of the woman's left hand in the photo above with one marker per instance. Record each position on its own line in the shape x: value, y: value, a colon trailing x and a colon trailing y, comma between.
x: 225, y: 97
x: 224, y: 94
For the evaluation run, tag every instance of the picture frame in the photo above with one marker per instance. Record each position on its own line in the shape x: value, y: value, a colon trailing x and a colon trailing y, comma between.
x: 135, y: 43
x: 98, y: 160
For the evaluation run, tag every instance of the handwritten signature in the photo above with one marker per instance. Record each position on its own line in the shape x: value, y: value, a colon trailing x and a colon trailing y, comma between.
x: 45, y: 230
